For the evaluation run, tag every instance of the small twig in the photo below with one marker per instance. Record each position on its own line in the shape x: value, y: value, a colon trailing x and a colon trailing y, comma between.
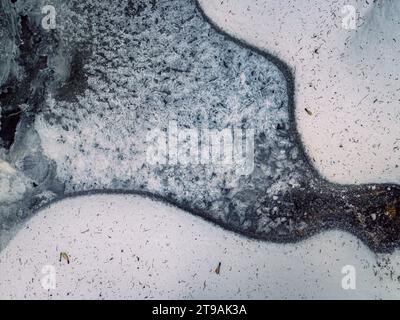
x: 218, y: 269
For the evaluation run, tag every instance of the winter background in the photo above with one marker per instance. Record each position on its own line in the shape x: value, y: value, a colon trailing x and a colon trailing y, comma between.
x: 136, y: 247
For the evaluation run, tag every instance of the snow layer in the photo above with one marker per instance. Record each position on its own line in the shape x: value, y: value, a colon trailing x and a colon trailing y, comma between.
x: 127, y: 246
x: 348, y: 79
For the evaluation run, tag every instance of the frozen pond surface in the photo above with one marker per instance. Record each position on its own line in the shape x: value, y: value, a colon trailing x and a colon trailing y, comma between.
x: 127, y: 246
x: 112, y: 72
x: 92, y: 92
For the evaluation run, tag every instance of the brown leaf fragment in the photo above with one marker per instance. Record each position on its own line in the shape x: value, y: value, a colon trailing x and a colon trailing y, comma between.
x: 391, y: 210
x: 64, y: 255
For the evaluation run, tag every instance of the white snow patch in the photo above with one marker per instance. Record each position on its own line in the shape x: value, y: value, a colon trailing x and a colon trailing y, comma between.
x: 126, y: 246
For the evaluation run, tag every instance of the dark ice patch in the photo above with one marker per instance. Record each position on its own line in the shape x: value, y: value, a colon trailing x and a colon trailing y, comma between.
x: 76, y: 82
x: 9, y: 120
